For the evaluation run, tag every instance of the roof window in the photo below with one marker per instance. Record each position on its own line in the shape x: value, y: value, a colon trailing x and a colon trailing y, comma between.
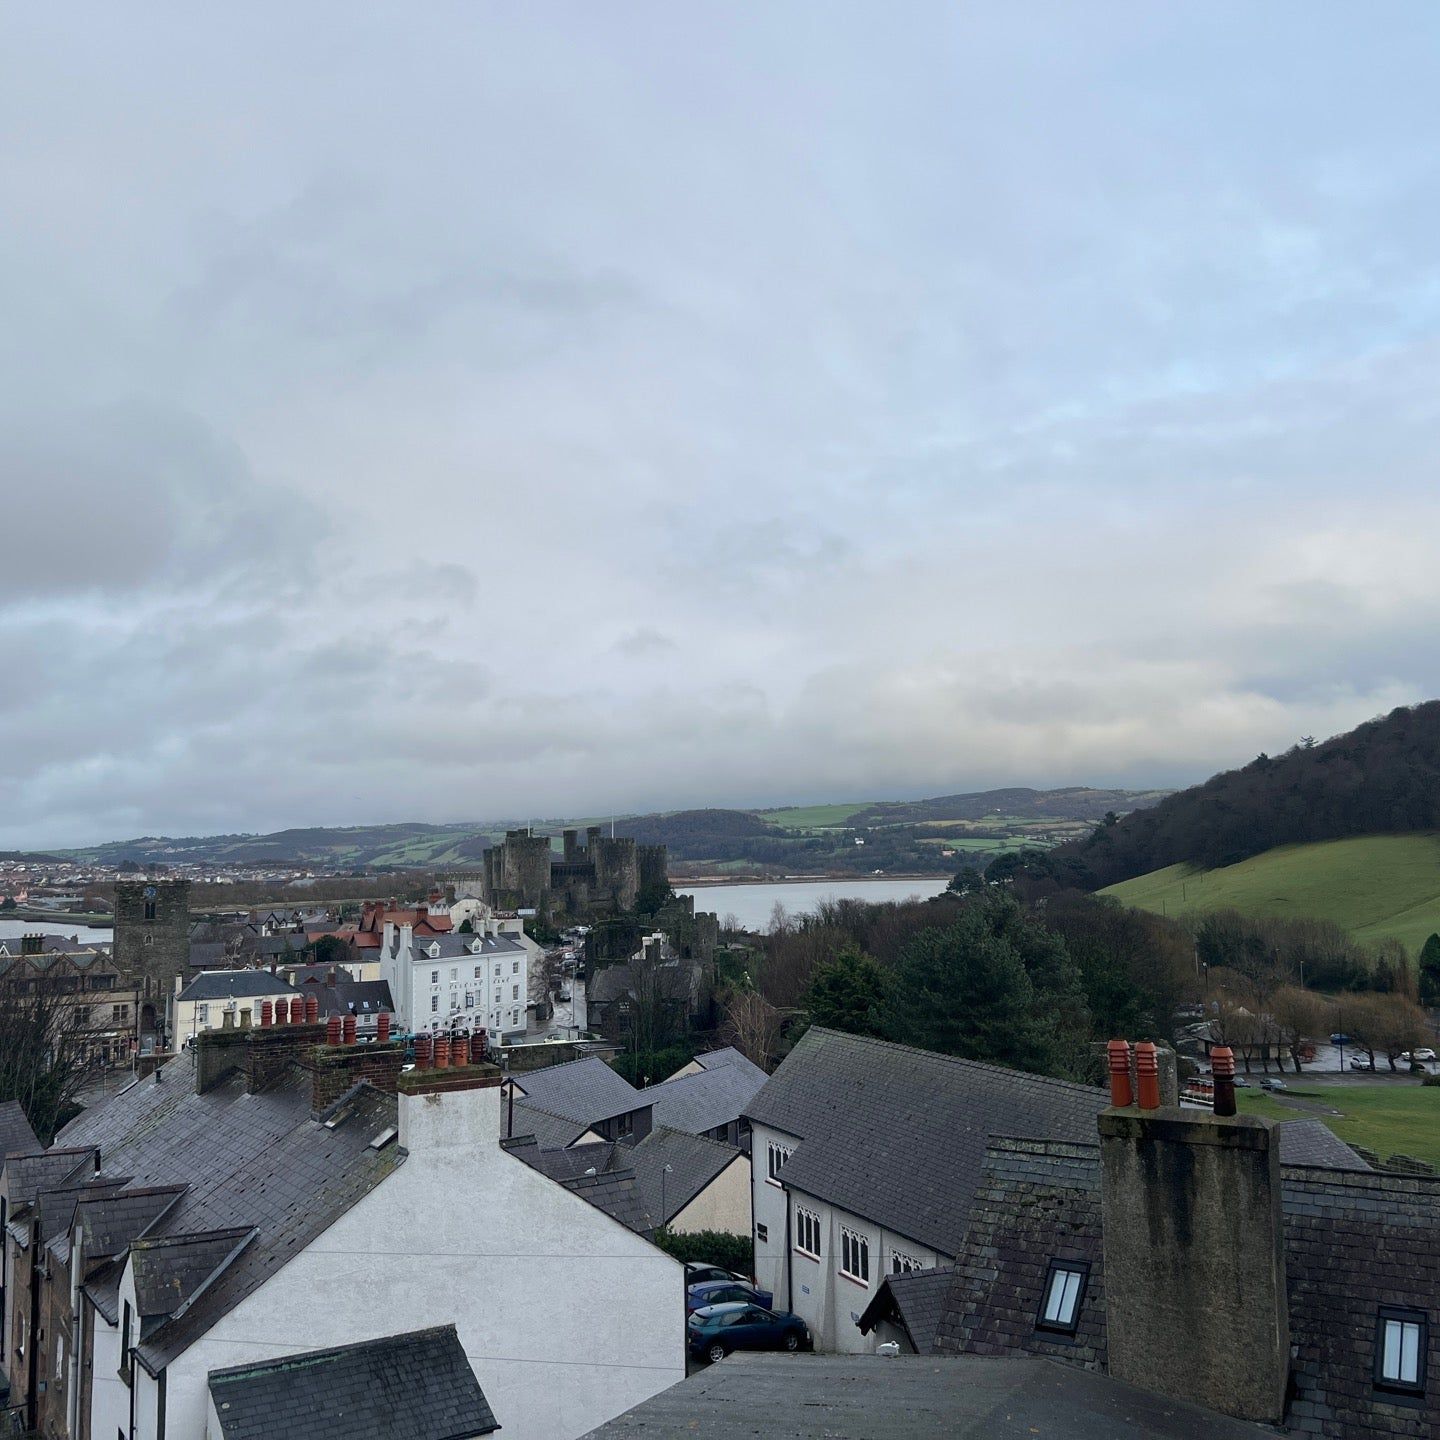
x: 1401, y: 1342
x: 1064, y: 1290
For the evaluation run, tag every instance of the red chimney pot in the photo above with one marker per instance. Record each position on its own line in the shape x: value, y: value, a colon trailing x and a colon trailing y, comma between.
x: 348, y: 1029
x: 460, y: 1051
x: 1119, y: 1054
x: 332, y: 1030
x: 382, y: 1027
x: 442, y: 1052
x: 1147, y: 1073
x: 1222, y: 1071
x: 422, y: 1052
x: 312, y: 1009
x: 282, y: 1012
x: 267, y: 1014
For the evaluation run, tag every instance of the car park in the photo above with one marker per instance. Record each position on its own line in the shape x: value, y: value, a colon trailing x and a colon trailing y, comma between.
x: 723, y: 1292
x: 719, y: 1330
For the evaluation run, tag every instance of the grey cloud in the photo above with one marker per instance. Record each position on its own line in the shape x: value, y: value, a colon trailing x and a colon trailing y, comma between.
x: 643, y: 643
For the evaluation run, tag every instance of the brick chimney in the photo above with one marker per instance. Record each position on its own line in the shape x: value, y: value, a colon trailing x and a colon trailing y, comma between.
x: 1196, y: 1304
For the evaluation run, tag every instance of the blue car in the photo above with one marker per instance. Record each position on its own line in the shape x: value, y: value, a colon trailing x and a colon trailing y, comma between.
x: 722, y: 1292
x: 713, y: 1332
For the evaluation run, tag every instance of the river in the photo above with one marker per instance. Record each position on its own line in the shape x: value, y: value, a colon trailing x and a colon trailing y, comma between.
x: 752, y: 905
x: 13, y: 929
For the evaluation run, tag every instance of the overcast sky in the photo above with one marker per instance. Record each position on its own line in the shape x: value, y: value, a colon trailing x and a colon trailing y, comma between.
x: 461, y: 411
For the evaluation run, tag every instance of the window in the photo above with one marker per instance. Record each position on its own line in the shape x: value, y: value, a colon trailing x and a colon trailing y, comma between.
x: 514, y: 992
x: 497, y: 972
x: 149, y: 938
x: 514, y: 967
x: 854, y: 1256
x: 119, y: 1014
x: 434, y: 977
x: 149, y: 909
x: 1401, y: 1342
x: 82, y: 1014
x: 762, y: 1234
x: 477, y: 972
x: 1060, y: 1302
x: 807, y: 1233
x: 901, y: 1264
x: 775, y: 1161
x: 625, y: 1126
x: 434, y: 1003
x: 454, y: 972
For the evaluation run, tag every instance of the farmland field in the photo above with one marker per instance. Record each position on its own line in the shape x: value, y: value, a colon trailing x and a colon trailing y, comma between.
x: 1375, y: 886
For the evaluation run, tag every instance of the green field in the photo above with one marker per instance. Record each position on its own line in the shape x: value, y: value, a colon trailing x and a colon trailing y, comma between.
x: 1377, y: 886
x: 812, y: 817
x: 1393, y: 1119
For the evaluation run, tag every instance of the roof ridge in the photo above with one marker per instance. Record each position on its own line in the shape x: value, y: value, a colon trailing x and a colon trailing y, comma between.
x: 702, y: 1139
x: 159, y: 1242
x: 306, y: 1358
x: 961, y: 1060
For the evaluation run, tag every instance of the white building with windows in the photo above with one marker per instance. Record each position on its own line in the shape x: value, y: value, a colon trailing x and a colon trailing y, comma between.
x: 445, y: 983
x: 866, y: 1157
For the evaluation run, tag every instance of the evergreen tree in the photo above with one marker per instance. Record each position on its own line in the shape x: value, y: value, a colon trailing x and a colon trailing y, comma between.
x: 847, y: 992
x: 1430, y: 971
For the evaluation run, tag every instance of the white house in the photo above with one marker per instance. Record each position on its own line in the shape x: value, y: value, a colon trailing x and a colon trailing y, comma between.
x: 865, y: 1160
x: 205, y: 1001
x: 301, y: 1225
x: 450, y: 982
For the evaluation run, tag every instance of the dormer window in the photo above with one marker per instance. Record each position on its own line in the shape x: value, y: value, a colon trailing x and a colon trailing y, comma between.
x: 1402, y: 1339
x: 434, y: 949
x: 1060, y: 1302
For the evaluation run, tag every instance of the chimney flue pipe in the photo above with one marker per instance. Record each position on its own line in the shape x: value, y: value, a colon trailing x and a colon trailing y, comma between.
x: 348, y: 1029
x: 1222, y: 1071
x: 1119, y: 1053
x: 267, y: 1014
x: 332, y: 1030
x: 312, y: 1009
x: 282, y: 1012
x: 1147, y: 1075
x: 382, y: 1027
x: 442, y: 1052
x: 422, y: 1052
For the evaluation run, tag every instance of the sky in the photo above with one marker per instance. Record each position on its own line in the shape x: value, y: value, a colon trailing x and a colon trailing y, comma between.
x: 464, y: 411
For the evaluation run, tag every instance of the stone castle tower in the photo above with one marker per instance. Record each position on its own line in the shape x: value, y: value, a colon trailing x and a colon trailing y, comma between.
x: 152, y: 943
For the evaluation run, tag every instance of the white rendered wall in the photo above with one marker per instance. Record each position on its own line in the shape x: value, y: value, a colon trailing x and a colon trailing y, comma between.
x: 769, y: 1206
x: 109, y: 1399
x: 567, y: 1317
x: 724, y: 1204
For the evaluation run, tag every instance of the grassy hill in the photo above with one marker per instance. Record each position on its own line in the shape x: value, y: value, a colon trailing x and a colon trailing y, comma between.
x: 1375, y: 886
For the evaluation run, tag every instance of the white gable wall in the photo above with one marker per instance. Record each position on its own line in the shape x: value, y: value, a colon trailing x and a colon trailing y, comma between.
x: 567, y: 1317
x: 724, y: 1204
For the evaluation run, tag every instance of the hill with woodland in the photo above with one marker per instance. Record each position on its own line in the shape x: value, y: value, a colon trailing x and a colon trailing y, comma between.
x: 892, y: 837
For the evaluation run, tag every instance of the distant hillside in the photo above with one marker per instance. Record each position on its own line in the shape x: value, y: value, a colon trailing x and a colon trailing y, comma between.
x: 911, y: 836
x: 1383, y: 778
x: 1377, y: 887
x: 1076, y: 803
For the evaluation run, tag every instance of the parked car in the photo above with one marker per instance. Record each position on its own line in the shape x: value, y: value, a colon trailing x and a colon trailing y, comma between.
x: 1411, y: 1057
x: 1242, y: 1082
x: 1339, y: 1039
x: 712, y: 1333
x: 723, y: 1292
x: 1362, y: 1062
x: 1271, y: 1083
x: 697, y: 1274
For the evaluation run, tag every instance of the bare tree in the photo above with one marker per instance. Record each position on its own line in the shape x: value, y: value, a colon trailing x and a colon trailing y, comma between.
x: 41, y: 1031
x: 1298, y: 1015
x: 752, y: 1025
x: 1389, y: 1024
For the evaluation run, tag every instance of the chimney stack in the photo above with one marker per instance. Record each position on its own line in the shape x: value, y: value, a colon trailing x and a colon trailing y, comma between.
x: 1196, y: 1303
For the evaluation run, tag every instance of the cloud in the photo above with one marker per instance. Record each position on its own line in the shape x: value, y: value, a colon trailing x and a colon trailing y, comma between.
x: 524, y: 414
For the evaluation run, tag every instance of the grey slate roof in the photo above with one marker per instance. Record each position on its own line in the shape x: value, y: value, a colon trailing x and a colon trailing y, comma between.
x: 915, y: 1301
x: 234, y: 985
x: 168, y: 1270
x: 1313, y: 1142
x: 1355, y: 1239
x: 694, y: 1163
x: 729, y: 1055
x: 705, y: 1101
x: 599, y: 1174
x: 912, y: 1397
x: 417, y: 1386
x: 109, y: 1222
x: 897, y: 1136
x: 16, y: 1136
x: 352, y: 997
x: 553, y: 1132
x: 28, y: 1175
x: 585, y: 1090
x: 247, y: 1161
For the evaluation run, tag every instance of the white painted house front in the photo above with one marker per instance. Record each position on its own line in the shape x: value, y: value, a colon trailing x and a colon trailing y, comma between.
x: 452, y: 982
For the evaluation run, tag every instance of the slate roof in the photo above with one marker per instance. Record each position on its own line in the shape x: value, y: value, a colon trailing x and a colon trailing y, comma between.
x: 912, y: 1397
x: 1355, y: 1239
x: 600, y: 1174
x: 258, y: 1161
x: 234, y: 985
x: 352, y: 997
x: 694, y: 1162
x: 897, y: 1135
x: 915, y: 1301
x: 417, y: 1386
x: 109, y: 1222
x: 1313, y: 1142
x: 16, y: 1136
x: 168, y: 1270
x: 729, y: 1055
x: 553, y: 1132
x: 585, y: 1090
x: 706, y: 1101
x: 27, y: 1175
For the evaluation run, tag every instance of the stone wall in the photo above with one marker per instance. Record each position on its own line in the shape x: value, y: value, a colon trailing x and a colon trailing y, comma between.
x: 152, y: 942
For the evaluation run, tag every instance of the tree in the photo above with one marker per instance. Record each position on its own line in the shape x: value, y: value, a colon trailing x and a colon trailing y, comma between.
x: 848, y: 993
x: 966, y: 880
x: 752, y: 1025
x: 1298, y: 1015
x: 7, y: 903
x: 331, y: 950
x: 1389, y: 1024
x: 466, y: 928
x: 1430, y: 971
x: 40, y: 1063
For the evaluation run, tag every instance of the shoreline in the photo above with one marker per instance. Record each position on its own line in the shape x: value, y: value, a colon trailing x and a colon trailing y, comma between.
x: 713, y: 882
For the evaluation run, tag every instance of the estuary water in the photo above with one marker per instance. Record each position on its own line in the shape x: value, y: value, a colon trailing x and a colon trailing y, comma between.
x: 752, y: 905
x: 13, y: 929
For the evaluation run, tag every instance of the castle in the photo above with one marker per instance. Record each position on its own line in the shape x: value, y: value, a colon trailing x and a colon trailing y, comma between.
x: 605, y: 873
